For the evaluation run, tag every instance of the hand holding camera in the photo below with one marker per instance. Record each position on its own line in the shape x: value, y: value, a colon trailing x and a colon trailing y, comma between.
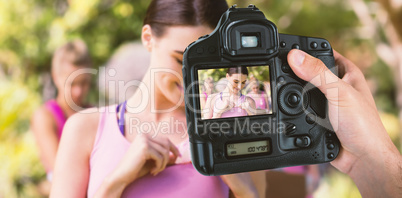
x: 368, y: 154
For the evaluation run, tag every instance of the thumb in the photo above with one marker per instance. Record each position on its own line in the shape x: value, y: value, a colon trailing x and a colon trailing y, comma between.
x: 313, y: 70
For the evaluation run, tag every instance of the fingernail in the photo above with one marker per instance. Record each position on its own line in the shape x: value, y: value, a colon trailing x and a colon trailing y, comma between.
x: 298, y: 57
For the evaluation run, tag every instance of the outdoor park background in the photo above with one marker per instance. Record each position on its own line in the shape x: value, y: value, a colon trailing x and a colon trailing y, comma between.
x: 368, y: 32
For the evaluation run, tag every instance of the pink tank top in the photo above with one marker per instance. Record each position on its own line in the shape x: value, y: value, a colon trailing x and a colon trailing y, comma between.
x: 180, y: 180
x: 259, y: 100
x: 58, y: 115
x: 235, y: 111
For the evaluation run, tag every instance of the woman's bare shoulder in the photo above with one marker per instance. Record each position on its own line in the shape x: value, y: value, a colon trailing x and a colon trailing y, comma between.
x: 250, y: 99
x: 42, y: 115
x: 83, y: 124
x: 87, y: 119
x: 213, y: 96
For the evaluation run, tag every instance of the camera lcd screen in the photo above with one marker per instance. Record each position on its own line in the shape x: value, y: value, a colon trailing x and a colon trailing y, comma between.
x: 235, y: 92
x: 248, y: 148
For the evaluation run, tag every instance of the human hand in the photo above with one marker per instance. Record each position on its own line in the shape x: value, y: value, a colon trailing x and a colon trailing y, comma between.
x: 223, y: 105
x: 241, y: 184
x: 367, y: 151
x: 245, y: 105
x: 145, y: 155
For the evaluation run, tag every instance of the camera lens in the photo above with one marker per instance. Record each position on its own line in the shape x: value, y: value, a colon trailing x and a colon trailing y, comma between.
x: 249, y: 41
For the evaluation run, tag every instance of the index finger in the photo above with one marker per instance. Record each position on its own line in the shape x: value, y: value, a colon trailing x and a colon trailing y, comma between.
x: 352, y: 75
x: 174, y: 149
x: 167, y: 144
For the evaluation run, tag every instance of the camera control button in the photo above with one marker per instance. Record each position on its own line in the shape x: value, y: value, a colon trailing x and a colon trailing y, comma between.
x: 290, y: 129
x: 295, y: 46
x: 330, y: 146
x: 293, y: 99
x: 329, y: 135
x: 330, y: 156
x: 310, y: 118
x: 283, y: 44
x: 303, y: 141
x: 324, y: 45
x: 285, y: 68
x: 281, y: 79
x: 313, y: 45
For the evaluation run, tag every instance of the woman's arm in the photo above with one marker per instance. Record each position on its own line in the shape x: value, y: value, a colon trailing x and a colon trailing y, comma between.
x: 202, y: 101
x: 242, y: 185
x: 265, y: 95
x: 249, y: 106
x: 208, y: 110
x: 260, y: 182
x: 71, y: 173
x: 44, y: 129
x: 145, y: 155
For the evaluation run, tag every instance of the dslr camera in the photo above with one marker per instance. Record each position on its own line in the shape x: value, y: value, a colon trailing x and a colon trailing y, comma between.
x: 245, y: 108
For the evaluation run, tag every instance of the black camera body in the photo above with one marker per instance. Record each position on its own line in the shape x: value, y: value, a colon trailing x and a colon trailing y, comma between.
x: 294, y: 131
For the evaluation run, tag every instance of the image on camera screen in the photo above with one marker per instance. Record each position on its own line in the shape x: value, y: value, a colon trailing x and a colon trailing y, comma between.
x: 234, y: 92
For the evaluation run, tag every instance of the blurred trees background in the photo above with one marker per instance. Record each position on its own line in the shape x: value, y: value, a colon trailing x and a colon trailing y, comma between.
x: 368, y: 32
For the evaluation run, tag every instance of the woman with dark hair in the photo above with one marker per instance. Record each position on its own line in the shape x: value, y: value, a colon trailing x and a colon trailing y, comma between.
x: 231, y: 102
x: 139, y: 148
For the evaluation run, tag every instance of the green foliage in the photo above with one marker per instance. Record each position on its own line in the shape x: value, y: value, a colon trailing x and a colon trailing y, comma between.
x: 336, y: 184
x: 17, y: 102
x: 385, y: 89
x: 31, y: 31
x: 20, y: 169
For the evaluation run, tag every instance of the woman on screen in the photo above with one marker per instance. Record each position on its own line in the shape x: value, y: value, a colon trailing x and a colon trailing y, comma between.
x: 207, y: 89
x: 230, y: 102
x: 260, y: 97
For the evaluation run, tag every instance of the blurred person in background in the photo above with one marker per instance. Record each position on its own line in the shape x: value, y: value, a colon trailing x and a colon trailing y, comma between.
x: 119, y: 68
x: 207, y: 90
x: 260, y: 97
x: 108, y: 153
x: 48, y: 121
